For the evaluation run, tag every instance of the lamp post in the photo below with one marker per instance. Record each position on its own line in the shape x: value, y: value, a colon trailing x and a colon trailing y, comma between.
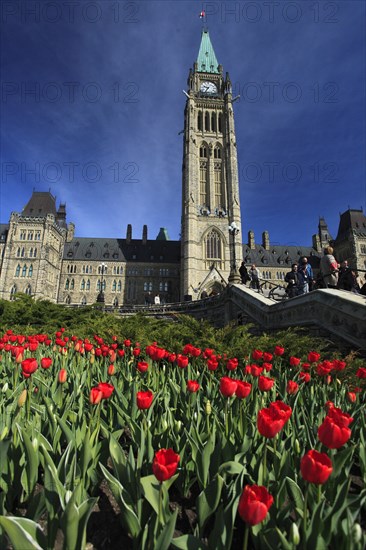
x: 100, y: 297
x: 234, y: 276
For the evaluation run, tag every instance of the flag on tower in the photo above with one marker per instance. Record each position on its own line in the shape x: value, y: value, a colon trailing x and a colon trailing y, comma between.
x: 202, y: 14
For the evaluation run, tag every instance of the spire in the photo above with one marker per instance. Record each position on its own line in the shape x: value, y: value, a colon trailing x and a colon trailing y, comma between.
x: 206, y: 60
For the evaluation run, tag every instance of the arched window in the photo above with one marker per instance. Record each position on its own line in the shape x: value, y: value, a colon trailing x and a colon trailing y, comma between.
x: 115, y: 302
x: 213, y: 247
x: 207, y: 121
x: 13, y: 291
x: 30, y: 271
x: 203, y: 183
x: 24, y: 271
x: 72, y: 284
x: 83, y: 301
x: 199, y: 120
x: 114, y: 286
x: 218, y: 180
x: 203, y: 152
x: 28, y: 290
x: 67, y: 284
x: 17, y: 271
x: 119, y: 286
x: 35, y: 253
x: 82, y: 286
x: 23, y: 252
x: 67, y: 300
x: 220, y: 123
x: 213, y: 122
x: 18, y: 252
x: 217, y: 153
x: 87, y: 284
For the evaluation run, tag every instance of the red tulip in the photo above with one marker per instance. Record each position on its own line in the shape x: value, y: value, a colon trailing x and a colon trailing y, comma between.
x: 232, y: 364
x: 279, y: 350
x: 257, y: 354
x: 142, y: 366
x: 267, y: 366
x: 106, y: 389
x: 339, y: 365
x: 127, y: 343
x: 144, y: 399
x: 29, y: 366
x: 294, y: 361
x: 271, y: 420
x: 62, y: 376
x: 254, y: 370
x: 292, y: 387
x: 193, y: 386
x: 265, y: 384
x: 267, y: 357
x: 313, y: 356
x: 316, y: 467
x: 165, y: 464
x: 111, y: 369
x: 332, y: 433
x: 305, y: 377
x: 228, y: 386
x: 95, y: 396
x: 351, y: 396
x: 182, y: 361
x: 254, y: 504
x: 243, y: 389
x: 361, y: 373
x: 136, y: 352
x: 212, y: 364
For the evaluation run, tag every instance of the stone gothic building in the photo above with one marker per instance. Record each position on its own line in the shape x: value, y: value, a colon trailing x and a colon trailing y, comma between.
x: 41, y: 256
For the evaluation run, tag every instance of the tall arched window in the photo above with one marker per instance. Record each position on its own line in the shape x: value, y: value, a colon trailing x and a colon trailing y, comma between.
x: 213, y: 248
x: 218, y: 180
x: 28, y: 290
x: 119, y: 286
x: 30, y: 271
x: 88, y: 284
x: 24, y: 271
x: 83, y: 301
x: 72, y: 284
x: 213, y: 122
x: 220, y: 123
x: 13, y: 291
x: 82, y: 286
x: 199, y: 120
x: 114, y: 286
x: 67, y: 300
x: 115, y: 302
x: 17, y: 271
x: 207, y: 121
x: 67, y: 284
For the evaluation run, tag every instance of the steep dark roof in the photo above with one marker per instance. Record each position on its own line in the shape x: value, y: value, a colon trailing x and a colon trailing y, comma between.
x: 40, y: 204
x: 351, y: 220
x: 118, y: 250
x: 279, y: 256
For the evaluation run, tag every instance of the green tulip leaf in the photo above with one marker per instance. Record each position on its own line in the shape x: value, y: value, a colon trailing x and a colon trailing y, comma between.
x: 208, y: 500
x: 24, y: 533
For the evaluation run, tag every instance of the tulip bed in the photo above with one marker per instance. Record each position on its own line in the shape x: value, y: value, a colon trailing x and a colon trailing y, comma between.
x: 192, y: 448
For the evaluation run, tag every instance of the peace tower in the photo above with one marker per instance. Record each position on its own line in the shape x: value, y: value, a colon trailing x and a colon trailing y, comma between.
x: 210, y: 189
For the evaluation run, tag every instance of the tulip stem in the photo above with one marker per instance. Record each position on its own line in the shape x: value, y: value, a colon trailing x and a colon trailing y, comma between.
x: 319, y: 492
x: 227, y: 417
x: 160, y: 502
x: 304, y: 520
x: 246, y: 537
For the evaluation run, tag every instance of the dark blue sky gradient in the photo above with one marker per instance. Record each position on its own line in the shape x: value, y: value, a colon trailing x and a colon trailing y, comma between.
x: 298, y: 66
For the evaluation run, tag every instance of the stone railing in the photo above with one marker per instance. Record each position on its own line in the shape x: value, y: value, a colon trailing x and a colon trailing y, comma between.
x: 337, y: 312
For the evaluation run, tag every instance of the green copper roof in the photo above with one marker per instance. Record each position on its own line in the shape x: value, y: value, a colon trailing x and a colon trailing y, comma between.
x: 206, y: 60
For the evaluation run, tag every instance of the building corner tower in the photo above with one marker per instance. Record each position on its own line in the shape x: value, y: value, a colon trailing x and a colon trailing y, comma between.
x: 210, y: 187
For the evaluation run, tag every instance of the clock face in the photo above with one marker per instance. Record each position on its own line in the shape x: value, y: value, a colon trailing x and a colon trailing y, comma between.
x: 208, y: 87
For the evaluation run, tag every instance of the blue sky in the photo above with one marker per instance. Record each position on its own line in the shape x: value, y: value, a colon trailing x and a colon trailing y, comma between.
x: 101, y: 126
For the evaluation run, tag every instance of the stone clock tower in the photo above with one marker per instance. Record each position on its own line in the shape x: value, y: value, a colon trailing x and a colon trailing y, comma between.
x: 210, y: 200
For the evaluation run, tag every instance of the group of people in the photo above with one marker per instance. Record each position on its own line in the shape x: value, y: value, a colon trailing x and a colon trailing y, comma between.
x: 253, y: 275
x: 300, y: 280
